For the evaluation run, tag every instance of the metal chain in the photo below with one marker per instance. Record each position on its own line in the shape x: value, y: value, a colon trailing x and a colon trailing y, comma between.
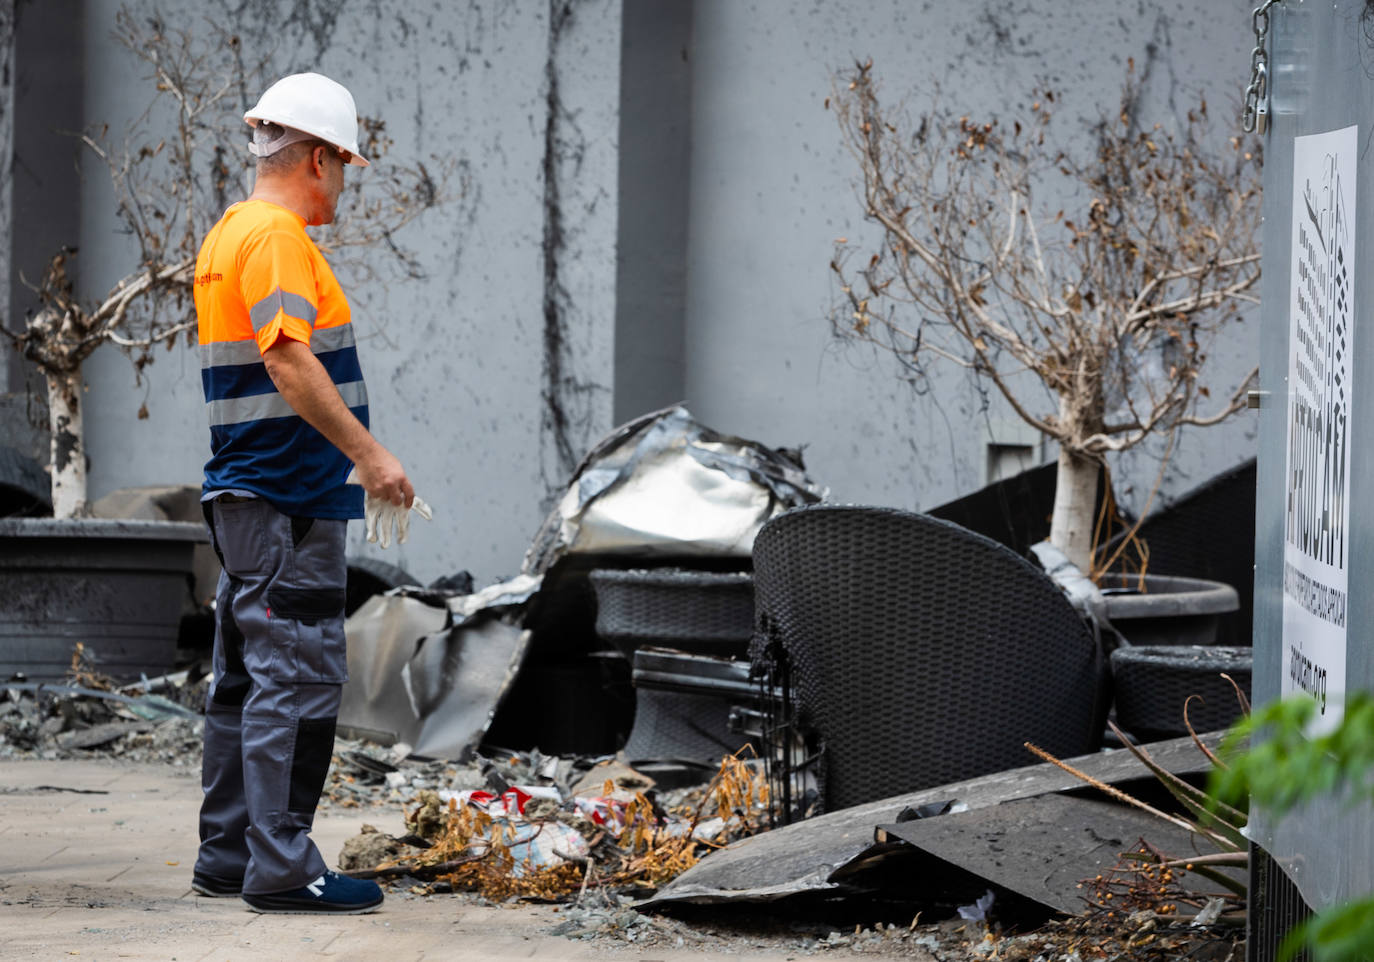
x: 1256, y: 113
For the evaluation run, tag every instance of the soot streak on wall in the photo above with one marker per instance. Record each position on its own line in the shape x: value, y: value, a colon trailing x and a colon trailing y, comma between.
x: 567, y: 417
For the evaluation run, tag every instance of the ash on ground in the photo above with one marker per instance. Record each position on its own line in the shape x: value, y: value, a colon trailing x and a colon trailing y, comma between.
x: 158, y: 722
x: 89, y: 716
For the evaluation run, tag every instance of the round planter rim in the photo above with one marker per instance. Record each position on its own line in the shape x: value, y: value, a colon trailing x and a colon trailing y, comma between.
x: 1168, y: 595
x: 1187, y: 656
x: 128, y: 528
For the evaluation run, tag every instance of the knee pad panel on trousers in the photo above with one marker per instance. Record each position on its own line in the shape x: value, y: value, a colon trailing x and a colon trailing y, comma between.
x: 310, y: 763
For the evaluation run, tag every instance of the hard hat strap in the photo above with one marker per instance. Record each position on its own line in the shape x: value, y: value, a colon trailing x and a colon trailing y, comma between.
x: 268, y: 138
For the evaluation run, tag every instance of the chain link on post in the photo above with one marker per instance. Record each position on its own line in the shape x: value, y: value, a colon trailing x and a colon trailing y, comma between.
x: 1255, y: 116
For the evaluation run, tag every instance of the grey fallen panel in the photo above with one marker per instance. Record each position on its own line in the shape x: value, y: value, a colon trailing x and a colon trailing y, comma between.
x: 431, y: 671
x: 802, y: 857
x: 1040, y: 848
x: 382, y: 636
x: 457, y: 679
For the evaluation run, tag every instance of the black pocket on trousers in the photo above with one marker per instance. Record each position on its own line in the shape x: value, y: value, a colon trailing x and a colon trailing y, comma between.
x: 300, y: 528
x: 309, y: 606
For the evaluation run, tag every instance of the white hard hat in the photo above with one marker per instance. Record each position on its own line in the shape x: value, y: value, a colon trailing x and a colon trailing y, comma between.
x: 312, y: 103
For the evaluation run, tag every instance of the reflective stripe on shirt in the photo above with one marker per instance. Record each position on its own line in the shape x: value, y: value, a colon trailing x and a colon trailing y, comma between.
x: 258, y: 407
x: 322, y: 341
x: 292, y: 305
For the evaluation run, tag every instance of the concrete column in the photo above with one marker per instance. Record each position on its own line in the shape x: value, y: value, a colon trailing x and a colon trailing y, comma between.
x: 655, y: 162
x: 9, y: 367
x: 41, y: 46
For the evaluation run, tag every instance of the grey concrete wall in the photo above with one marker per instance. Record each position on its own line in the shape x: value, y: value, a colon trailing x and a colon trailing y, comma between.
x: 655, y: 176
x: 490, y: 373
x: 9, y: 365
x: 652, y: 197
x: 772, y: 189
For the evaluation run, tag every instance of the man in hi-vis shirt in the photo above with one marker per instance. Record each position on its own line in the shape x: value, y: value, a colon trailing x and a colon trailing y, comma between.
x: 288, y: 420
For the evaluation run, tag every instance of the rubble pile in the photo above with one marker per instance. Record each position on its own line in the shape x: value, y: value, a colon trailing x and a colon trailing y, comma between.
x: 1144, y: 936
x: 1141, y: 937
x: 542, y: 827
x: 609, y: 918
x: 154, y: 720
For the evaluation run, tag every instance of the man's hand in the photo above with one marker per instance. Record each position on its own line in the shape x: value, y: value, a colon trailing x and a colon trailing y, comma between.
x: 382, y: 477
x: 383, y: 515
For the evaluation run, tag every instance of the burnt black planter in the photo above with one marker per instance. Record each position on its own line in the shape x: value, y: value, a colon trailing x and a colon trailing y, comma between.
x: 1153, y: 684
x: 117, y: 587
x: 1166, y: 610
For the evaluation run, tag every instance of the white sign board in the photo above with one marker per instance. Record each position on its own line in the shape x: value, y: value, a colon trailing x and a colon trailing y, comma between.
x: 1316, y: 549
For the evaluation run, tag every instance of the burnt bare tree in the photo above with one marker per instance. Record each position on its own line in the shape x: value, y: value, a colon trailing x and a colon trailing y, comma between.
x: 1095, y: 325
x: 173, y: 171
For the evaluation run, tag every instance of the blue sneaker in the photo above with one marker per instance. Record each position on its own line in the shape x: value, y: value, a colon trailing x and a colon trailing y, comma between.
x: 331, y: 893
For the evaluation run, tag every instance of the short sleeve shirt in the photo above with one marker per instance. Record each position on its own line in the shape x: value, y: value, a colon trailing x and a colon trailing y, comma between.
x: 259, y: 277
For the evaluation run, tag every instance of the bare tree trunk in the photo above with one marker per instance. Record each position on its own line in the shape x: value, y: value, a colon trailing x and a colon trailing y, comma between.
x: 68, y: 445
x: 1075, y: 496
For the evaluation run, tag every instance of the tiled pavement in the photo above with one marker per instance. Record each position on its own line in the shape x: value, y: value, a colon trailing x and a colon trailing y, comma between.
x: 95, y: 864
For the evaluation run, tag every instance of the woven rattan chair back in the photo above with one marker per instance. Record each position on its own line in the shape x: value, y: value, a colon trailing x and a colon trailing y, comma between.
x: 920, y: 653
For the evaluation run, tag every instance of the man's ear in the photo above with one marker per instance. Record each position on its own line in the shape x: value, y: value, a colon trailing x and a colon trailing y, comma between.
x: 317, y: 155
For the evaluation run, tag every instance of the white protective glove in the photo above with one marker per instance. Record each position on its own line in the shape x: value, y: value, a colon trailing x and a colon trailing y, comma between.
x: 382, y: 516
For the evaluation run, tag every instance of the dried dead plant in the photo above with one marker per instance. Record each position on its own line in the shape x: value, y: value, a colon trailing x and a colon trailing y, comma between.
x: 1094, y: 326
x: 173, y: 171
x: 656, y: 853
x: 84, y: 672
x: 471, y: 850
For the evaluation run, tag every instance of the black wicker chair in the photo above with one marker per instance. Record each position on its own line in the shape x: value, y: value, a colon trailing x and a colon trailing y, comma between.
x: 919, y: 653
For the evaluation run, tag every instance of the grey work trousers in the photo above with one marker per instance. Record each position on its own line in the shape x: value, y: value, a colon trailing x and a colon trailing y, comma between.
x: 279, y: 666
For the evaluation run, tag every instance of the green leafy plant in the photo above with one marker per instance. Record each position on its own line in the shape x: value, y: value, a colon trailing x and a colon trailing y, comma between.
x: 1272, y: 761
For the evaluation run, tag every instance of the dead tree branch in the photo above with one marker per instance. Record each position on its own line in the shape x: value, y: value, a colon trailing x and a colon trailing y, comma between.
x: 1112, y: 307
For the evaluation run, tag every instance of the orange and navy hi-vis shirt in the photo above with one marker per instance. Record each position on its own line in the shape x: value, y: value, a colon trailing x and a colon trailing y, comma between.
x: 258, y: 278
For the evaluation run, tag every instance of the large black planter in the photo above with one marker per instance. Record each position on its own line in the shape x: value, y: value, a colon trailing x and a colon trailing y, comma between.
x: 118, y: 587
x: 1153, y: 683
x: 1166, y: 610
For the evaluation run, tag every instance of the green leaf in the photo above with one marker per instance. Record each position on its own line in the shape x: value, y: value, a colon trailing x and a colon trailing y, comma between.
x: 1341, y: 934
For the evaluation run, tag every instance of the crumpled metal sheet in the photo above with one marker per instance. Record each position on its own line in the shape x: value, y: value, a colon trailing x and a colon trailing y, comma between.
x: 432, y: 677
x: 666, y: 486
x: 382, y: 636
x: 456, y: 680
x: 660, y: 486
x: 506, y: 594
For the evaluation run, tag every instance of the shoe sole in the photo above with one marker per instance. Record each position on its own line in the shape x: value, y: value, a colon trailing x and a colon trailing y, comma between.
x: 215, y: 893
x: 313, y: 908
